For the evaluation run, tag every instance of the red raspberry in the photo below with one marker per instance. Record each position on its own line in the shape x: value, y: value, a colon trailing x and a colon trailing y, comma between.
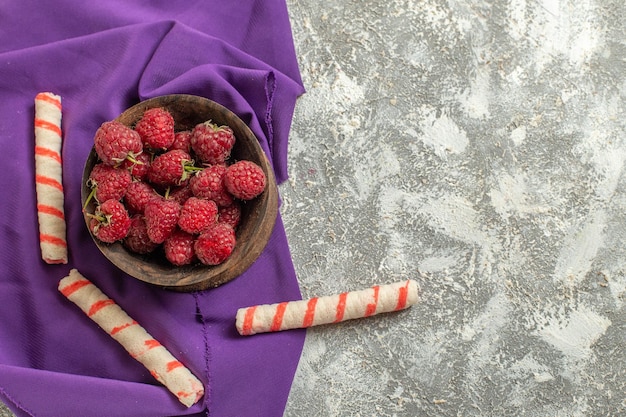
x: 110, y: 222
x: 245, y: 180
x: 211, y: 143
x: 181, y: 194
x: 170, y: 168
x: 197, y: 215
x: 230, y: 215
x: 137, y: 239
x: 139, y: 165
x: 182, y: 141
x: 179, y: 248
x: 114, y: 142
x: 209, y: 184
x: 216, y: 244
x: 156, y: 128
x: 161, y: 218
x: 98, y: 173
x: 137, y: 196
x: 108, y: 182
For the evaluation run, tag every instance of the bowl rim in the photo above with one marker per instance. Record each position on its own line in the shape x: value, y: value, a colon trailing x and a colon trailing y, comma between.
x: 196, y: 277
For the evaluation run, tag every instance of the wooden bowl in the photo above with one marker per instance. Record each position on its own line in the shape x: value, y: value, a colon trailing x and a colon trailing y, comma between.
x: 258, y: 215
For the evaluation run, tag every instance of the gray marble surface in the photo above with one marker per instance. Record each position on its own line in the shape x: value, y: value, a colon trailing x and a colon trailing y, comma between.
x: 479, y: 148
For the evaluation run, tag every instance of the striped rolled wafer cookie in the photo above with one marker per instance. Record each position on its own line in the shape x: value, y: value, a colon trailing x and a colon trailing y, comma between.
x: 163, y: 366
x: 325, y: 310
x: 48, y: 178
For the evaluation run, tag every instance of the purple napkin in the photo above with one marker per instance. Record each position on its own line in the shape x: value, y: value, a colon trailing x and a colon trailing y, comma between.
x: 102, y: 57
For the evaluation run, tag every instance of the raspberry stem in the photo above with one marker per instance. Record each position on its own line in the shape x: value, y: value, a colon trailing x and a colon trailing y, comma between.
x: 102, y: 219
x: 133, y: 159
x: 189, y: 168
x: 131, y: 156
x: 89, y: 198
x: 214, y: 126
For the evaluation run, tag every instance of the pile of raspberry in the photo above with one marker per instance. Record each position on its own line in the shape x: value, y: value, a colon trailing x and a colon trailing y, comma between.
x: 179, y: 192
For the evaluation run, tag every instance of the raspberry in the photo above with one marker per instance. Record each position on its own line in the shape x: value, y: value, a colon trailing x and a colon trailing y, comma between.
x: 161, y: 218
x: 109, y: 182
x: 215, y: 245
x: 197, y: 215
x: 170, y: 168
x: 244, y: 180
x: 110, y: 222
x: 139, y: 165
x: 99, y: 172
x: 181, y: 194
x: 156, y: 128
x: 209, y: 184
x: 138, y: 194
x: 137, y: 239
x: 179, y: 248
x: 230, y: 215
x: 211, y: 143
x: 114, y: 142
x: 182, y: 141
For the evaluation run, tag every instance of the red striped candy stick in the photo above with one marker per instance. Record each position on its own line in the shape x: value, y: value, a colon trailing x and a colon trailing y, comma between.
x: 133, y: 337
x: 325, y: 310
x: 48, y: 178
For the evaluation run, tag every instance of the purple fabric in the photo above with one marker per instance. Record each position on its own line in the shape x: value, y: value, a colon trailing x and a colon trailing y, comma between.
x: 102, y: 57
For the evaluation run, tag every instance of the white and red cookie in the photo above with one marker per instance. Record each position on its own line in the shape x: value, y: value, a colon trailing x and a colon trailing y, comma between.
x: 133, y: 337
x: 49, y: 178
x: 325, y: 310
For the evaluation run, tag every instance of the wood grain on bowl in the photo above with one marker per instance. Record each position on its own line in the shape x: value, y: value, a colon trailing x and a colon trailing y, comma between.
x: 258, y: 215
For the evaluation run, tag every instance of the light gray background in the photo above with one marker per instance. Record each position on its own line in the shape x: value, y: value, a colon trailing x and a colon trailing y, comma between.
x: 477, y: 147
